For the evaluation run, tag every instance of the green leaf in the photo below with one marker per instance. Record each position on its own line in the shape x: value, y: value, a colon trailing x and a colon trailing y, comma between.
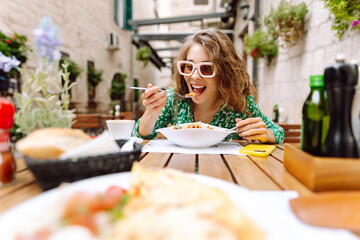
x: 344, y: 11
x: 286, y: 22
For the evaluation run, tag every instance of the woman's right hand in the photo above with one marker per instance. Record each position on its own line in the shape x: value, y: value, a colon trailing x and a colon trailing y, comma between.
x: 153, y: 100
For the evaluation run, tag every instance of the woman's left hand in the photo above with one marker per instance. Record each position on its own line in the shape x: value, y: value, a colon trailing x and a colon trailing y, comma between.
x: 254, y: 129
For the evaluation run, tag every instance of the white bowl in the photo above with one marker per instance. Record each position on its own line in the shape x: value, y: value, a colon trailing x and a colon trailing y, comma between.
x: 195, y: 137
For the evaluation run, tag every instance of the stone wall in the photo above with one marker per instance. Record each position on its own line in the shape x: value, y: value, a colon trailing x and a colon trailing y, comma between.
x: 286, y: 80
x: 84, y: 27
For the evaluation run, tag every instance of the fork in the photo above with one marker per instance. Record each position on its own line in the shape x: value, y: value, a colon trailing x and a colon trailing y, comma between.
x: 163, y: 90
x: 241, y: 138
x: 230, y: 129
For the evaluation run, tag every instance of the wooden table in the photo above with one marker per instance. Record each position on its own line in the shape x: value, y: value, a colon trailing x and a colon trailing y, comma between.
x: 256, y: 173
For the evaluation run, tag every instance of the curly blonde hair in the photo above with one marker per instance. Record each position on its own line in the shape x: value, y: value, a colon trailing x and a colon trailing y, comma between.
x: 234, y: 81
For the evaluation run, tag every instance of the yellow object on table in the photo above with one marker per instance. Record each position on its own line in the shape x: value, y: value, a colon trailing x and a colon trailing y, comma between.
x: 261, y: 150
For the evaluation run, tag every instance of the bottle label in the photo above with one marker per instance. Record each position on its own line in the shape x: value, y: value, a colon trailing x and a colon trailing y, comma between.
x: 4, y: 140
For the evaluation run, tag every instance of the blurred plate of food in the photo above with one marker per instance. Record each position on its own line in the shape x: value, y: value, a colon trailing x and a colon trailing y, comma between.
x: 159, y: 204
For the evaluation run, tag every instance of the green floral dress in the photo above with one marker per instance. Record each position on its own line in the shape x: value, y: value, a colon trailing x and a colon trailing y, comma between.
x: 223, y: 118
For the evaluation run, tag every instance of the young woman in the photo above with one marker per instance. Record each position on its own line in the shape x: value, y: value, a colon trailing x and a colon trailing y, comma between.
x: 208, y: 66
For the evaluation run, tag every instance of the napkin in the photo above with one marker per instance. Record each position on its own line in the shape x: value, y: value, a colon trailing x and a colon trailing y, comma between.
x: 165, y: 146
x: 272, y: 212
x: 101, y: 145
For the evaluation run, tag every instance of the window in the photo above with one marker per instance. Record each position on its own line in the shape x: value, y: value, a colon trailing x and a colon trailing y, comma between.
x: 123, y: 13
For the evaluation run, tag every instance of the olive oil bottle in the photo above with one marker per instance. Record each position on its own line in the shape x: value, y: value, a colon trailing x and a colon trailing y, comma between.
x: 315, y: 117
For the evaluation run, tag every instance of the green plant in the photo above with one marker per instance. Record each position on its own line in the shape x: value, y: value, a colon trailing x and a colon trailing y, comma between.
x: 118, y: 86
x: 286, y: 23
x: 260, y: 45
x: 345, y: 12
x: 73, y: 69
x: 39, y: 107
x: 143, y: 54
x: 14, y: 45
x: 94, y: 78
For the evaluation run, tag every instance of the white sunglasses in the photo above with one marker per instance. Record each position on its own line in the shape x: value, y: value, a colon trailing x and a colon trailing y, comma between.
x: 187, y: 68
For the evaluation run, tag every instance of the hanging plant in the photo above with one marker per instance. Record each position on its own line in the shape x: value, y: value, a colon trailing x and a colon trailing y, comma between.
x: 286, y: 23
x: 346, y: 12
x: 143, y: 54
x: 260, y: 45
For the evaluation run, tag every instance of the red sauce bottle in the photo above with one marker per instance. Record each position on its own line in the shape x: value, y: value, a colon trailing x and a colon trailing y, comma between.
x: 7, y: 162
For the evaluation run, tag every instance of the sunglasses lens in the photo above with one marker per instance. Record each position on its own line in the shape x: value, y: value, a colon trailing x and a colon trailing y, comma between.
x: 186, y: 68
x: 207, y: 70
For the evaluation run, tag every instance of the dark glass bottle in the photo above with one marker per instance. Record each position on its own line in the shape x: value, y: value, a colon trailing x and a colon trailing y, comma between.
x: 275, y: 113
x: 315, y: 117
x: 340, y: 81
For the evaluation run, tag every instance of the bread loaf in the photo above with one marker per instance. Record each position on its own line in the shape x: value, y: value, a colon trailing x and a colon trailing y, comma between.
x: 50, y: 143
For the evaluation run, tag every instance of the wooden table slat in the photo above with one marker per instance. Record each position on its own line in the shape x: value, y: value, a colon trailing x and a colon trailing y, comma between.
x: 214, y: 166
x: 248, y: 175
x: 278, y: 154
x: 20, y: 164
x: 22, y: 178
x: 280, y: 175
x: 155, y: 159
x: 183, y: 162
x: 32, y: 189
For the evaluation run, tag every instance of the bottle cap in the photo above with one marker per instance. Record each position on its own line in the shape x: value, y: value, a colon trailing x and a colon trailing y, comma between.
x: 7, y: 111
x: 316, y: 80
x: 340, y: 58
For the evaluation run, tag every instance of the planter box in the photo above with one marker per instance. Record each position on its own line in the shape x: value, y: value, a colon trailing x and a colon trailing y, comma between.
x: 322, y: 173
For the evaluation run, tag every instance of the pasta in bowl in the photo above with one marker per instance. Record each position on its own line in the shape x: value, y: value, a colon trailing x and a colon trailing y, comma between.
x: 195, y: 135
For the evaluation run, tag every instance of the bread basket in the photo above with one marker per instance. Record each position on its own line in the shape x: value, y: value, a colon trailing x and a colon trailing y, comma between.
x: 51, y: 173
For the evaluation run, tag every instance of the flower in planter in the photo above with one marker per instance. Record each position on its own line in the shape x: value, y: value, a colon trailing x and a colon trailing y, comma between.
x: 14, y: 46
x: 7, y: 63
x: 355, y: 23
x: 260, y: 45
x: 39, y: 107
x: 286, y: 22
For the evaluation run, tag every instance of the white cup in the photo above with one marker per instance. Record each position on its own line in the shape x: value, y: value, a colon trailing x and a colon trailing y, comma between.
x: 120, y: 129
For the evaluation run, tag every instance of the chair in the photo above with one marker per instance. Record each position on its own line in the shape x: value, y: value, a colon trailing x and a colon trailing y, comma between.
x: 127, y: 115
x: 292, y: 132
x: 89, y: 123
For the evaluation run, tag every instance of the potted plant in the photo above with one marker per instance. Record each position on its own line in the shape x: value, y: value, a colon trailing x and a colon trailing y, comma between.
x: 117, y: 89
x: 94, y: 78
x: 73, y: 69
x: 346, y: 12
x: 13, y: 51
x: 286, y: 23
x: 14, y: 45
x: 38, y: 105
x: 260, y: 45
x: 143, y: 54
